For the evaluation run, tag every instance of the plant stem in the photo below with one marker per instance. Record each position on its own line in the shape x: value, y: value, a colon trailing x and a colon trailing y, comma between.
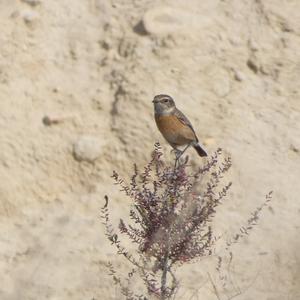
x: 164, y: 275
x: 165, y: 269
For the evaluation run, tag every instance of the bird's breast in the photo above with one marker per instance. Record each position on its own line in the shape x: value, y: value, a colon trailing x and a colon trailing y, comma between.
x: 173, y: 130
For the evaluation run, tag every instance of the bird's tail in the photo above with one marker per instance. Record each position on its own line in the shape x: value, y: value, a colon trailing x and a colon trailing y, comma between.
x: 200, y: 150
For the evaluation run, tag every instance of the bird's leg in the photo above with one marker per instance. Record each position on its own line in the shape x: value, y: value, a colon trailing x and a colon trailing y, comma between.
x: 179, y: 153
x: 188, y: 145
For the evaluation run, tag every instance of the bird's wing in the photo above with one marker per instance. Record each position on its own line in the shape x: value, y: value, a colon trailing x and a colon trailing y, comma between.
x: 183, y: 119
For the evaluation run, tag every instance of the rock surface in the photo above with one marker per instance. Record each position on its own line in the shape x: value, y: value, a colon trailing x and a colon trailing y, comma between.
x: 232, y: 67
x: 87, y: 148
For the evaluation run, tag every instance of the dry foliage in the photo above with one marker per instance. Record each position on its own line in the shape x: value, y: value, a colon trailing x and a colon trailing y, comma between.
x: 171, y: 220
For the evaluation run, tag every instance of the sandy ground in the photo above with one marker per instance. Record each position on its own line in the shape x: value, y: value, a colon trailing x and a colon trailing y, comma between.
x: 92, y: 68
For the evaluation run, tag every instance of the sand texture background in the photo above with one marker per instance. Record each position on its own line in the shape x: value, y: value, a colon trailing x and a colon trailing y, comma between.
x: 92, y: 68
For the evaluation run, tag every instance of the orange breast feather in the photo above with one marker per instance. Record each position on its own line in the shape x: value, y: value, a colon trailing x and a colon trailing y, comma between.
x: 174, y: 131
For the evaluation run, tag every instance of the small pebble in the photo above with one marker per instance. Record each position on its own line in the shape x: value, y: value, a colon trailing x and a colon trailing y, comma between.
x: 253, y: 64
x: 294, y: 149
x: 163, y: 20
x: 253, y: 45
x: 29, y: 16
x: 32, y: 2
x: 48, y: 121
x: 87, y: 148
x: 239, y: 76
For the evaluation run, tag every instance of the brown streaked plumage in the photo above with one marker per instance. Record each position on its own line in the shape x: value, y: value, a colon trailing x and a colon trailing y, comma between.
x: 174, y: 125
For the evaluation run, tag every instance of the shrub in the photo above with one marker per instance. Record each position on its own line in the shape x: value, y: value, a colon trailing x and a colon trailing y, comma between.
x: 171, y: 215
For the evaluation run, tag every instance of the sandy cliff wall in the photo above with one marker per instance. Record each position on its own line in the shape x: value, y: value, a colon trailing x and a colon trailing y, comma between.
x: 81, y: 75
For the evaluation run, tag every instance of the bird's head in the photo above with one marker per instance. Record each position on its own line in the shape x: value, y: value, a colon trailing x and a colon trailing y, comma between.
x: 163, y: 104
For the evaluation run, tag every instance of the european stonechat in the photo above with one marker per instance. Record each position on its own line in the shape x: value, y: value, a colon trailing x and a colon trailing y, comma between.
x: 174, y: 125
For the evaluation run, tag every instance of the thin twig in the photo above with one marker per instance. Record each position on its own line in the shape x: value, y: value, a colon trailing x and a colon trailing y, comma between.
x: 214, y: 286
x: 164, y: 275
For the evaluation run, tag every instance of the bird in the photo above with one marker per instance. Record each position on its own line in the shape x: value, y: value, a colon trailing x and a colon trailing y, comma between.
x: 175, y: 126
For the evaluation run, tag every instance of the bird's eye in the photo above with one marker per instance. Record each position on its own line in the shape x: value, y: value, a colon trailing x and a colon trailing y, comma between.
x: 165, y: 100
